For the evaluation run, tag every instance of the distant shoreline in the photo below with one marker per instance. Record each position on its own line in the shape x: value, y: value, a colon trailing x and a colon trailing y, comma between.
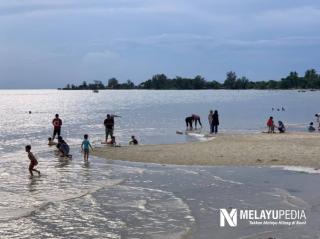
x: 290, y: 149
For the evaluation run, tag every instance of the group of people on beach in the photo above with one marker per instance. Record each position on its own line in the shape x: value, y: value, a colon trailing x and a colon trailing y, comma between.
x: 213, y: 119
x: 271, y: 126
x: 282, y: 129
x: 64, y: 148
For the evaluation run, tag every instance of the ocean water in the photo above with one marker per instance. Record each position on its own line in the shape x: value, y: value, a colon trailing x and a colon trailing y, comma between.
x: 112, y: 199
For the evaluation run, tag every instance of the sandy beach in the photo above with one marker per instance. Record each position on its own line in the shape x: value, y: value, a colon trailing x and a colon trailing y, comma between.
x: 294, y: 149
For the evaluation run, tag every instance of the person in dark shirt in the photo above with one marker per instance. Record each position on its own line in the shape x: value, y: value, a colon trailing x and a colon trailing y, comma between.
x: 215, y: 121
x: 63, y: 147
x: 57, y: 123
x: 189, y: 121
x: 133, y: 141
x: 109, y: 125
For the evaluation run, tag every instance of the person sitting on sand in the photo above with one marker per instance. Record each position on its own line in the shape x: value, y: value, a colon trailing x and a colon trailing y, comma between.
x: 33, y: 161
x: 281, y: 127
x: 196, y: 119
x: 133, y: 141
x: 51, y: 142
x: 311, y: 128
x: 63, y: 147
x: 189, y: 121
x: 270, y: 125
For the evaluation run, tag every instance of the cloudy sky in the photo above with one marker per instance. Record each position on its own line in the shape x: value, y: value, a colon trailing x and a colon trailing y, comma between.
x: 49, y: 43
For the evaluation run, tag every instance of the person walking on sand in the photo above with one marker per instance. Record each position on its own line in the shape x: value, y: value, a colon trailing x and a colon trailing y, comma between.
x: 196, y: 119
x: 33, y: 161
x: 85, y: 147
x: 270, y: 125
x: 210, y: 119
x: 57, y: 123
x: 215, y: 122
x: 109, y: 125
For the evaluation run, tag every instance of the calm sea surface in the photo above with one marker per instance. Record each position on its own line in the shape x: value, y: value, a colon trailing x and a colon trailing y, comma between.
x: 110, y: 199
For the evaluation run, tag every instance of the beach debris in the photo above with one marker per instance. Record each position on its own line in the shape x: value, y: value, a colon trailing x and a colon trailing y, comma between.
x: 179, y: 132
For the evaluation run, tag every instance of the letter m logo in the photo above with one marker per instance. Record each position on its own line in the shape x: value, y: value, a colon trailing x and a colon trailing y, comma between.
x: 231, y: 217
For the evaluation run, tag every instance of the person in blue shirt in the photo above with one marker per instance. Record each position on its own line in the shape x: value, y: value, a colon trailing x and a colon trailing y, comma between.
x: 85, y: 147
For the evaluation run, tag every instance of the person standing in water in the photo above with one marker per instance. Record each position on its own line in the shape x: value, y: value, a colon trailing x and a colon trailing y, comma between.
x: 210, y: 119
x: 33, y: 161
x: 57, y: 123
x: 189, y: 121
x: 85, y: 147
x: 109, y: 125
x: 215, y: 122
x: 196, y: 119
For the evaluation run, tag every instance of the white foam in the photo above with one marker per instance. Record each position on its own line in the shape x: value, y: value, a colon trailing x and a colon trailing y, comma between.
x: 299, y: 169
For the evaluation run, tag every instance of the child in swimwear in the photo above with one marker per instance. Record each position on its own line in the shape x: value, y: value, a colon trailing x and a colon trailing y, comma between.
x: 85, y: 147
x: 33, y: 161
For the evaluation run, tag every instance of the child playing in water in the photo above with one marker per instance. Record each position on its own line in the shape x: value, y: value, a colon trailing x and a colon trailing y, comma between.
x: 85, y: 147
x: 33, y: 161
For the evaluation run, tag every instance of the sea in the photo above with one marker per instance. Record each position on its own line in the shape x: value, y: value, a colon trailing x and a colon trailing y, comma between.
x: 106, y: 198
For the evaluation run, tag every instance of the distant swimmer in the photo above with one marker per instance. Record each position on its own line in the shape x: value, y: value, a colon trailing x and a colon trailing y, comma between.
x: 189, y: 121
x: 85, y: 147
x: 51, y: 142
x: 196, y: 119
x: 109, y: 125
x: 281, y: 127
x: 283, y: 109
x: 33, y: 161
x: 311, y: 128
x: 133, y: 140
x: 63, y: 147
x: 30, y: 112
x: 270, y: 125
x: 57, y: 123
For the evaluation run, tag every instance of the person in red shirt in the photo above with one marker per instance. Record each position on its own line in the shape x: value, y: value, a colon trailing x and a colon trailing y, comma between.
x: 270, y: 125
x: 57, y: 123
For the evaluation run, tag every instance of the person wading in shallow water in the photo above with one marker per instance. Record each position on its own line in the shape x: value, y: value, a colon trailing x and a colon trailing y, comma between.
x: 57, y: 123
x: 215, y: 122
x: 109, y: 125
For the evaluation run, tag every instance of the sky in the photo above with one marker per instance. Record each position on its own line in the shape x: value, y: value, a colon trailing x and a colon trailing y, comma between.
x: 49, y: 43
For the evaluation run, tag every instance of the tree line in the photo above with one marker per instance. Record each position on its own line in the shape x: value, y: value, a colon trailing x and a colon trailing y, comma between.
x: 310, y: 80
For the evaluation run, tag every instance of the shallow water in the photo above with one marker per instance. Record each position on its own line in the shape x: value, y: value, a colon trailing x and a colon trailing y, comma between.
x: 111, y: 199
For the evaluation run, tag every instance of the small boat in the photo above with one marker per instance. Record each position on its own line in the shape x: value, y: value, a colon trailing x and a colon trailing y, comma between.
x: 95, y: 91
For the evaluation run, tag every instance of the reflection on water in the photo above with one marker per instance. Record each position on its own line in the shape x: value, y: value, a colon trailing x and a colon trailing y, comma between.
x: 109, y: 199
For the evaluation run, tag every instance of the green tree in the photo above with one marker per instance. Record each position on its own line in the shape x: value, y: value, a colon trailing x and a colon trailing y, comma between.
x: 113, y: 83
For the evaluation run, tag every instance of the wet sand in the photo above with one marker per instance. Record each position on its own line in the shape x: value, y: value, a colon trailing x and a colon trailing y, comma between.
x: 296, y: 149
